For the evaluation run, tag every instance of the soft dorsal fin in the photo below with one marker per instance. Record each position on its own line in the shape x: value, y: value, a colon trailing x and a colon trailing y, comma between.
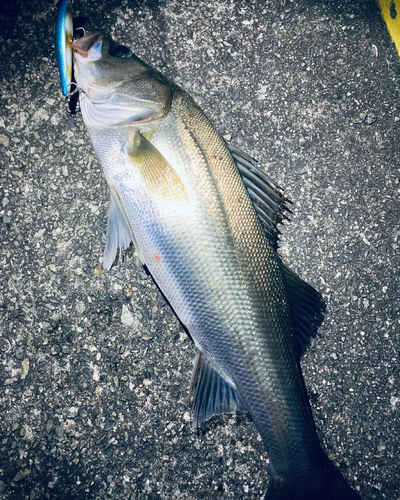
x: 306, y: 306
x: 212, y: 394
x: 269, y: 201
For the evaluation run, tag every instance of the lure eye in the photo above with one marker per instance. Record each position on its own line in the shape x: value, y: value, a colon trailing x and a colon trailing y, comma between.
x: 120, y: 51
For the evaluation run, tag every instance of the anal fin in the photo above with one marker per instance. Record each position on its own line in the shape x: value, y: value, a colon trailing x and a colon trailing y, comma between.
x: 212, y: 394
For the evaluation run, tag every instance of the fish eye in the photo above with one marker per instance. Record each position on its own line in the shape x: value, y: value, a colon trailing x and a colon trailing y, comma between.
x: 120, y: 51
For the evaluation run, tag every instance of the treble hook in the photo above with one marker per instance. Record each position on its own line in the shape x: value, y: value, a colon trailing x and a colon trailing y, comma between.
x: 81, y: 28
x: 74, y: 91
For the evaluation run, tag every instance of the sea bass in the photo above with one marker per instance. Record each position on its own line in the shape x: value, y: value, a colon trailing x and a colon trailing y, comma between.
x: 203, y: 222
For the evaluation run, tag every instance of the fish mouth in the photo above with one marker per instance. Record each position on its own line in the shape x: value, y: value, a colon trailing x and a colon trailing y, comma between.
x: 85, y: 43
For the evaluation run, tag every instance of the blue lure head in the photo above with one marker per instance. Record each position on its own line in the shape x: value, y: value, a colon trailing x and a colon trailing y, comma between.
x: 64, y: 33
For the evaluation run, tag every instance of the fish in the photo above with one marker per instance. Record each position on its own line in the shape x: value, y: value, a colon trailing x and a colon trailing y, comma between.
x: 63, y: 40
x: 203, y: 220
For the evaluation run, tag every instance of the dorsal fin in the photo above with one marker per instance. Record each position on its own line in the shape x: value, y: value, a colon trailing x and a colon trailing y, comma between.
x: 212, y: 394
x: 306, y: 306
x: 269, y: 201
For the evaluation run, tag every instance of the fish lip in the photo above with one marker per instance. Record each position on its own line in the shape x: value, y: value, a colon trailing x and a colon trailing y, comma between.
x: 84, y: 44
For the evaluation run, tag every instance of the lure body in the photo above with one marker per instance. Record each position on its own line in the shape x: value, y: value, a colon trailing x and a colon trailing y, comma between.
x: 64, y: 32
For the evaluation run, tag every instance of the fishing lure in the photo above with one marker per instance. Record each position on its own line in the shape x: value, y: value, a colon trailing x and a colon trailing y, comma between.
x: 64, y: 33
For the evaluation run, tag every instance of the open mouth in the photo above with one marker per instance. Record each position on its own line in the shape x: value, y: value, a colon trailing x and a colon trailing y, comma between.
x: 85, y: 43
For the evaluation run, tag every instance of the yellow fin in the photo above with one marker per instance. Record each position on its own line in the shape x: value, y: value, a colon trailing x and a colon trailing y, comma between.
x: 158, y: 175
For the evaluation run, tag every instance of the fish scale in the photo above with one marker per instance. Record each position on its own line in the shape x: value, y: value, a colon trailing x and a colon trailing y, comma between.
x: 177, y: 191
x: 243, y: 338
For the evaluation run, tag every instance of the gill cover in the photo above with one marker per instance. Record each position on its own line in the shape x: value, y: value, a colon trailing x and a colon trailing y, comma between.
x: 117, y: 88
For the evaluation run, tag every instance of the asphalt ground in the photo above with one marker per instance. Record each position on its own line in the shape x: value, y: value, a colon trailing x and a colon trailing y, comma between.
x: 95, y: 367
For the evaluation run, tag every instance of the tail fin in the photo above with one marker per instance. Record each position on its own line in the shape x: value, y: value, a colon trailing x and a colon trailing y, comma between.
x: 326, y: 483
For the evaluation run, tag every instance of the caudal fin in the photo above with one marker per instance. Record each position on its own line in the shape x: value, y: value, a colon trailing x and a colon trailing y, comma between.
x: 325, y: 483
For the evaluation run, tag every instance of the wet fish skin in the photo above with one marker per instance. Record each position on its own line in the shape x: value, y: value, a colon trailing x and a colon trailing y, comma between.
x: 176, y: 192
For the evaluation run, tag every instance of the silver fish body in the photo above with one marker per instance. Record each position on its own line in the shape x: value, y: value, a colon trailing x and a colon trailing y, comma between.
x: 178, y: 194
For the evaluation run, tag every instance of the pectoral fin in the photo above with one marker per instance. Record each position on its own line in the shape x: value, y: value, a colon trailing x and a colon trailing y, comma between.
x: 158, y: 175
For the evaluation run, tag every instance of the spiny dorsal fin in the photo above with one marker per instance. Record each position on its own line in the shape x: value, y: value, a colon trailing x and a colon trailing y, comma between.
x: 212, y: 395
x: 269, y: 201
x: 306, y: 304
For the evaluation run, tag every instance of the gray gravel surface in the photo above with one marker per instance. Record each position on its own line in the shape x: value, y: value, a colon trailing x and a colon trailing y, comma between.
x: 94, y: 367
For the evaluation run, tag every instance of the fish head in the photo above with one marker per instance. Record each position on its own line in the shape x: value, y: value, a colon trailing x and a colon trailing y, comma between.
x: 97, y: 70
x: 119, y: 89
